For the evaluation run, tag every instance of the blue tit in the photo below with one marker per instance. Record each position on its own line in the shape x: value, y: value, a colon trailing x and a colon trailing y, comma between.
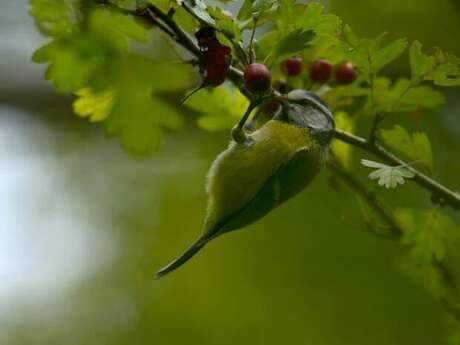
x: 271, y: 165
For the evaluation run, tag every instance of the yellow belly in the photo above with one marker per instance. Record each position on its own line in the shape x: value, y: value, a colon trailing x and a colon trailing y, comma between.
x: 239, y: 172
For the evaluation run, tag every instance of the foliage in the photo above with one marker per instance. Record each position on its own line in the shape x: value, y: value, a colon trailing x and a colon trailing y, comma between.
x: 95, y: 52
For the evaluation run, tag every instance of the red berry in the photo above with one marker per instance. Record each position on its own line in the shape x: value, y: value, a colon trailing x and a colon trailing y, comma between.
x: 346, y: 73
x: 292, y: 66
x: 320, y: 71
x: 257, y: 78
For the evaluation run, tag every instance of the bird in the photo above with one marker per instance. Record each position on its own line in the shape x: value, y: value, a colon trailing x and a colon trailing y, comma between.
x: 274, y: 163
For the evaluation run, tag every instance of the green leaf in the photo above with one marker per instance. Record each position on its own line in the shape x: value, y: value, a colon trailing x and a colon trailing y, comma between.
x: 370, y: 55
x: 350, y: 37
x: 260, y: 6
x: 447, y: 75
x: 421, y: 64
x: 72, y: 61
x: 75, y: 59
x: 416, y: 147
x: 220, y: 107
x: 388, y: 176
x: 114, y: 25
x: 54, y: 17
x: 254, y: 8
x: 388, y: 54
x: 245, y: 10
x: 414, y: 98
x: 325, y: 26
x: 426, y: 231
x: 186, y: 21
x: 403, y: 96
x: 200, y: 10
x: 340, y: 97
x: 132, y: 100
x: 443, y: 69
x: 95, y: 106
x: 294, y: 42
x: 225, y: 24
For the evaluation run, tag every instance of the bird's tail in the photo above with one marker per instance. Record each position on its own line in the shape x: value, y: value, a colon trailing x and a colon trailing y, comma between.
x: 187, y: 255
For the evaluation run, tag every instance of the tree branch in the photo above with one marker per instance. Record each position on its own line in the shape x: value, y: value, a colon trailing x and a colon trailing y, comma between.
x: 397, y: 231
x: 444, y: 194
x: 440, y: 192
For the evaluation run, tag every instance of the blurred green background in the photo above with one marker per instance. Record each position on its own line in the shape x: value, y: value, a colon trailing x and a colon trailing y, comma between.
x: 83, y: 226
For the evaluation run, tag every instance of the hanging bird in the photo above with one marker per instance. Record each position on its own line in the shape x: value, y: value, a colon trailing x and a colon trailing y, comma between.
x: 274, y: 163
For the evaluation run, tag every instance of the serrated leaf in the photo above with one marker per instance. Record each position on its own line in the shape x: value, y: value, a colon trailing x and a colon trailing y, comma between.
x: 55, y: 17
x: 314, y: 18
x: 389, y: 53
x: 442, y: 68
x: 426, y: 231
x: 371, y: 55
x: 260, y: 6
x: 254, y: 9
x: 111, y: 23
x: 403, y: 96
x: 415, y: 97
x: 200, y: 10
x: 447, y: 75
x: 350, y: 36
x: 294, y: 42
x: 421, y: 64
x: 225, y: 24
x: 139, y: 110
x: 132, y: 103
x: 72, y: 61
x: 388, y: 176
x: 95, y: 106
x: 416, y: 147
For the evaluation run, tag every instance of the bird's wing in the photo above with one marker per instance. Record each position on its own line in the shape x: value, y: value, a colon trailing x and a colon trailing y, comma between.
x: 291, y: 178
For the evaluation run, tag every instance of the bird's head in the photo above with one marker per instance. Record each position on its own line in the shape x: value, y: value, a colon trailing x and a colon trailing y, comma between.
x: 305, y: 109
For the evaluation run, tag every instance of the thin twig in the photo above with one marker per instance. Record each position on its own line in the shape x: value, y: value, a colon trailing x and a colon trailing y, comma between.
x: 397, y: 232
x: 182, y: 36
x: 369, y: 197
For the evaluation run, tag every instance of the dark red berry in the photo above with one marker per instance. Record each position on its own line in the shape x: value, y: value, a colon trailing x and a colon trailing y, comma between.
x: 320, y: 71
x: 293, y: 66
x: 215, y: 63
x: 346, y: 73
x: 257, y: 78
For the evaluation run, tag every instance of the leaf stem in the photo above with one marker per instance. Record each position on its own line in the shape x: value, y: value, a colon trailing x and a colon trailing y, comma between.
x: 251, y: 40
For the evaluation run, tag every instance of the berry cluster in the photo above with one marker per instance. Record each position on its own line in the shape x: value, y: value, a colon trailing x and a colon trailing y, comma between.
x: 257, y: 77
x: 216, y: 59
x: 321, y: 70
